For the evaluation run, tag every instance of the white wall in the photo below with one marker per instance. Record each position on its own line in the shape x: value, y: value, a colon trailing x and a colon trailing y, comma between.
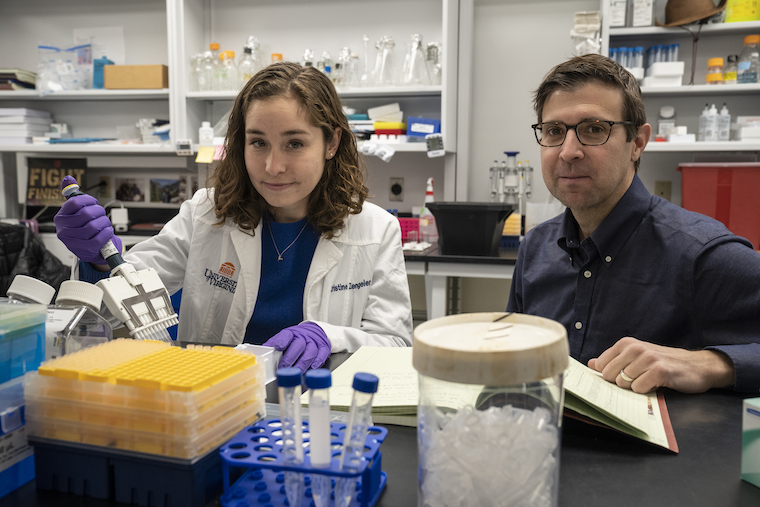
x: 516, y: 42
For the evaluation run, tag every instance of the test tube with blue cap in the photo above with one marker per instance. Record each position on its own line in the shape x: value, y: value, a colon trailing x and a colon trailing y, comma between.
x: 318, y: 382
x: 359, y: 416
x: 289, y: 390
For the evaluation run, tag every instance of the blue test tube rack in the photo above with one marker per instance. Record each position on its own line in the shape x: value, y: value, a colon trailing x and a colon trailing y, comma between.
x: 262, y: 485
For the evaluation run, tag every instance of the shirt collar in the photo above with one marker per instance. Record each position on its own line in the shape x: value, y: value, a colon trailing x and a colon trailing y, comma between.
x: 615, y: 229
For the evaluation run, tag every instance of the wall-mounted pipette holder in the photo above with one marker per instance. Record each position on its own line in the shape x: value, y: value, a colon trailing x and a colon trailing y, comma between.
x: 259, y: 447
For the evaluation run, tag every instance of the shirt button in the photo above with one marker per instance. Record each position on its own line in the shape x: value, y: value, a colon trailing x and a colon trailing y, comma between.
x: 578, y: 325
x: 587, y: 274
x: 608, y: 259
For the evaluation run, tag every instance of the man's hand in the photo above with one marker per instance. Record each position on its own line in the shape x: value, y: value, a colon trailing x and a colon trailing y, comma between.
x: 652, y: 366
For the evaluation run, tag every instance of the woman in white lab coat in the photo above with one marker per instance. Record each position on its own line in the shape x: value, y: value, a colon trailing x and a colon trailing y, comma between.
x: 282, y: 248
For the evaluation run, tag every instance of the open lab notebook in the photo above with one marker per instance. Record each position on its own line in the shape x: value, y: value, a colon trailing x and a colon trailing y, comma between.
x: 644, y: 416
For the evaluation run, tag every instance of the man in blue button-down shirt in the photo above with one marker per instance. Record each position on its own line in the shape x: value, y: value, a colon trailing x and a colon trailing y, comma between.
x: 651, y: 294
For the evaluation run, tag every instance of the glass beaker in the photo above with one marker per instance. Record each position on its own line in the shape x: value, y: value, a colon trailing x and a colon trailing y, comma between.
x: 490, y: 409
x: 433, y: 62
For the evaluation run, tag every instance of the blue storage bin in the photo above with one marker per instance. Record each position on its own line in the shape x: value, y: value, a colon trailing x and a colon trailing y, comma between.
x: 16, y: 458
x: 22, y: 339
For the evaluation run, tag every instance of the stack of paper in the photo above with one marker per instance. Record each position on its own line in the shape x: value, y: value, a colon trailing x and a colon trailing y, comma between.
x: 17, y: 79
x: 20, y: 125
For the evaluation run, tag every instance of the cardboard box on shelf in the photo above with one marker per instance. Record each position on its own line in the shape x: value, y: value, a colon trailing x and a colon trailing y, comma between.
x: 130, y: 77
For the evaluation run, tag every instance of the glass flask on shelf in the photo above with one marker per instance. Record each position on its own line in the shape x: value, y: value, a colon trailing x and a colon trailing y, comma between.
x: 366, y: 77
x: 415, y: 69
x: 386, y: 71
x: 433, y: 62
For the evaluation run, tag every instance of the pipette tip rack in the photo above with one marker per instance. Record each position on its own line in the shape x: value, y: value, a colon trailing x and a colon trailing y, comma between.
x: 258, y: 449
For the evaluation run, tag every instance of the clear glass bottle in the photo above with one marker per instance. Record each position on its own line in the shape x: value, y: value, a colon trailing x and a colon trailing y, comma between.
x: 714, y: 71
x: 308, y: 58
x: 226, y: 72
x: 729, y: 71
x: 666, y: 122
x: 748, y: 67
x: 74, y: 322
x: 206, y: 76
x: 25, y: 289
x: 246, y: 66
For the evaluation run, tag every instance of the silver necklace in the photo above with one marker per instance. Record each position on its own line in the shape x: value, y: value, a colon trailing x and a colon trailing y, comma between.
x: 279, y: 254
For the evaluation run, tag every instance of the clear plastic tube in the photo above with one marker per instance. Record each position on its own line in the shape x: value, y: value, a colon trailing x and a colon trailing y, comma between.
x: 320, y: 453
x: 359, y: 417
x: 289, y: 390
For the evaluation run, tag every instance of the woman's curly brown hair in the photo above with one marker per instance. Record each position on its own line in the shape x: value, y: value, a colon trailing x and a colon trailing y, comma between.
x: 340, y: 191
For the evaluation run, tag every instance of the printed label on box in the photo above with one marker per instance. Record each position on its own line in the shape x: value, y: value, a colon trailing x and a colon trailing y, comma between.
x: 426, y: 128
x: 14, y: 448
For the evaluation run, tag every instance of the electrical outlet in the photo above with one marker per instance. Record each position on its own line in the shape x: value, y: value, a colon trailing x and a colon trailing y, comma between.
x: 663, y: 189
x: 396, y: 189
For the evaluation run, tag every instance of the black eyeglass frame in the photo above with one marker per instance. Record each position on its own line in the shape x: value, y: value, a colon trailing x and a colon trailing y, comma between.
x: 536, y: 126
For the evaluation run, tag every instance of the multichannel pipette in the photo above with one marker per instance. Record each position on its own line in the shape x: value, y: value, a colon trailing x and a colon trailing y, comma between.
x: 319, y: 382
x: 289, y: 390
x: 137, y: 298
x: 365, y: 387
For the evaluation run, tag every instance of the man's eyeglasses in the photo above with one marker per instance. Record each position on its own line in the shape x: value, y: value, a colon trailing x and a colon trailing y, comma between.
x: 589, y: 132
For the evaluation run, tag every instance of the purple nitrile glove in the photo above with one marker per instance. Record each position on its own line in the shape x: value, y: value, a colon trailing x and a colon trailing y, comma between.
x: 305, y: 345
x: 82, y: 225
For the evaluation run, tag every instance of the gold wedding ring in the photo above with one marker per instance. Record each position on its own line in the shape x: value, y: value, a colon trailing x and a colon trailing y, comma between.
x: 626, y: 377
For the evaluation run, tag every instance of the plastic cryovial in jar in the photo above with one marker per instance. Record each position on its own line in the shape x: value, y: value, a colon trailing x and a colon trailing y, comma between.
x: 490, y: 409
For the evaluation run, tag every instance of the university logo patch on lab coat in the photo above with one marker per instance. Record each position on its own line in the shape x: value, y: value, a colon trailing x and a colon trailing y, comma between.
x: 222, y: 278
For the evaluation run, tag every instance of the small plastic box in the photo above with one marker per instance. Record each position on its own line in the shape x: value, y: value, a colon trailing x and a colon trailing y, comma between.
x: 22, y: 338
x: 147, y: 397
x: 751, y: 441
x: 420, y: 127
x: 267, y: 355
x: 16, y: 456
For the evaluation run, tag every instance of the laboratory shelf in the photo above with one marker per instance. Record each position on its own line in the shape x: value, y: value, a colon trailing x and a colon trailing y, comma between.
x: 369, y: 92
x: 90, y: 148
x: 708, y: 29
x: 701, y: 89
x: 703, y: 146
x: 87, y: 95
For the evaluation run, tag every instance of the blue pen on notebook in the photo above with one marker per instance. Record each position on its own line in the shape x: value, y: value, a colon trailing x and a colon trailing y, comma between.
x: 318, y: 382
x: 289, y: 389
x: 359, y: 416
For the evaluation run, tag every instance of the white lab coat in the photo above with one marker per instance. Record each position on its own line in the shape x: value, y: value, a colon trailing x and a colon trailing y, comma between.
x: 356, y: 289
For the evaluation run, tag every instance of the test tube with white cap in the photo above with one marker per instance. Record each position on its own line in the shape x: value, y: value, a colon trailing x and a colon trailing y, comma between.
x: 318, y: 382
x: 289, y: 390
x: 359, y: 416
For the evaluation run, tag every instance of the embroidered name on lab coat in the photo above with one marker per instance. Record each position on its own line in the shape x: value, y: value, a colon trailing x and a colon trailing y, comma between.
x: 351, y: 286
x: 221, y: 281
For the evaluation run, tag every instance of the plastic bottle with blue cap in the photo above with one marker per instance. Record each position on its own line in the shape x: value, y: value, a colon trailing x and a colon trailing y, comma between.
x: 289, y: 390
x: 359, y: 419
x: 318, y: 382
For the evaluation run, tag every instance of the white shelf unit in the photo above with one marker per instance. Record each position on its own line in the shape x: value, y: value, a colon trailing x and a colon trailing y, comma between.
x: 715, y: 40
x: 291, y: 27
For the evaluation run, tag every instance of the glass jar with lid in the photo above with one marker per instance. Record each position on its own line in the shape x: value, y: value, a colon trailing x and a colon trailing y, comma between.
x: 490, y: 406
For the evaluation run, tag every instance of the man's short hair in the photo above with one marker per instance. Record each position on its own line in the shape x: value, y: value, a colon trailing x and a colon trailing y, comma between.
x: 593, y: 68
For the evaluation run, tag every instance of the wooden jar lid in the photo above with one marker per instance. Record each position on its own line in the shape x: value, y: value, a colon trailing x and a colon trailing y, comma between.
x: 495, y: 349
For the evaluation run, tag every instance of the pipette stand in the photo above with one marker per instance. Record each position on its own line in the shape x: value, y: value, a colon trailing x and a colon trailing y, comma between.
x: 258, y: 448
